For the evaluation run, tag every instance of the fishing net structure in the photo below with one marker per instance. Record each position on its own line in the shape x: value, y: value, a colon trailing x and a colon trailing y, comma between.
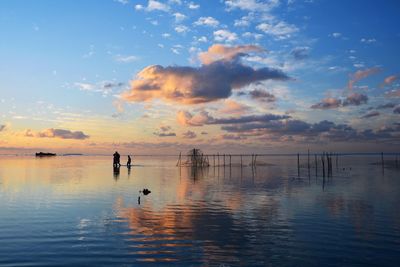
x: 194, y: 158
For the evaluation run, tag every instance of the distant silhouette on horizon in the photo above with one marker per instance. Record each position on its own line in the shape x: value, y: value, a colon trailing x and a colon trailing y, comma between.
x: 128, y: 163
x: 116, y: 160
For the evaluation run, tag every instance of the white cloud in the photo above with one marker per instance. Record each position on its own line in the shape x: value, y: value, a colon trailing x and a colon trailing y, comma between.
x: 124, y: 2
x: 336, y: 34
x: 181, y: 29
x: 178, y: 2
x: 252, y: 5
x: 139, y: 7
x: 179, y: 16
x: 157, y: 6
x: 368, y: 41
x: 207, y: 21
x: 256, y: 36
x: 203, y: 39
x: 225, y: 35
x: 166, y: 35
x: 280, y: 30
x: 192, y: 5
x: 125, y: 59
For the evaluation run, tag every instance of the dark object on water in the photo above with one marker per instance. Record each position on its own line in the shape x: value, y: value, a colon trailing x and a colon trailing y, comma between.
x: 43, y: 154
x: 138, y: 200
x: 116, y: 158
x: 145, y: 191
x: 73, y: 154
x: 128, y: 164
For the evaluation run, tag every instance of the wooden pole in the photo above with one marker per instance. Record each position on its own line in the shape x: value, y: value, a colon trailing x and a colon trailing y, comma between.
x: 323, y: 164
x: 298, y: 165
x: 316, y: 165
x: 241, y: 161
x: 230, y: 160
x: 308, y: 162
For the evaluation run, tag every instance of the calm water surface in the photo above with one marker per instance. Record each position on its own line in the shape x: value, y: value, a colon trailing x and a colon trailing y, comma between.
x: 75, y: 211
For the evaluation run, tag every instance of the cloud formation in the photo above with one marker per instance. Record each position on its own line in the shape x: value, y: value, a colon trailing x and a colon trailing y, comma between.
x: 203, y: 118
x: 194, y: 85
x: 361, y: 74
x: 2, y: 127
x: 354, y: 99
x: 396, y: 110
x: 218, y: 52
x: 262, y: 95
x: 189, y: 135
x: 165, y: 131
x: 57, y: 133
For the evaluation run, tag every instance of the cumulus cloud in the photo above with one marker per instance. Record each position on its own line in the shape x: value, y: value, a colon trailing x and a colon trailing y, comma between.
x: 233, y: 107
x: 323, y: 130
x: 57, y: 133
x: 300, y: 53
x: 157, y: 6
x: 193, y: 85
x: 179, y: 16
x: 328, y: 103
x: 207, y: 21
x: 164, y: 131
x: 203, y: 118
x: 361, y: 74
x: 104, y: 87
x: 192, y: 5
x: 262, y: 95
x: 225, y: 36
x: 228, y: 53
x: 187, y: 119
x: 390, y: 79
x: 280, y: 30
x: 354, y: 99
x: 189, y: 135
x: 251, y: 5
x: 181, y: 29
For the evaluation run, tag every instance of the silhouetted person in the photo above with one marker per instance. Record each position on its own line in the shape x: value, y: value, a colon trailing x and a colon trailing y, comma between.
x: 128, y: 164
x: 116, y: 161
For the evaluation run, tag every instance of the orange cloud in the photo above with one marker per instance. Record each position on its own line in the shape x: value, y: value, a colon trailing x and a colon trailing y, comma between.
x: 57, y: 133
x: 222, y: 52
x: 361, y: 74
x: 389, y: 80
x: 194, y: 85
x: 187, y: 119
x: 233, y: 107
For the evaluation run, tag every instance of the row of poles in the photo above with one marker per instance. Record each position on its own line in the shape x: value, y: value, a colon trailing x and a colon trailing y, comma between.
x: 326, y: 163
x: 225, y: 159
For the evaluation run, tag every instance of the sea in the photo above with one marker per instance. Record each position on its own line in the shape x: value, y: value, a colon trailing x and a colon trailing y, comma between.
x: 79, y: 210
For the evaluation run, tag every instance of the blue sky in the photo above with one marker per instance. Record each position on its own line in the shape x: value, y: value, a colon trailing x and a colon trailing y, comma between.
x: 237, y: 75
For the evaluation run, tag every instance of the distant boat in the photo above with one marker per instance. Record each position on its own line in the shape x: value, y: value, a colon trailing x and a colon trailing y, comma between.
x: 43, y: 154
x: 73, y: 154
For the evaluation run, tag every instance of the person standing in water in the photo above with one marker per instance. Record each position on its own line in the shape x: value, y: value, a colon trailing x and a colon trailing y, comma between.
x: 128, y: 164
x: 116, y: 161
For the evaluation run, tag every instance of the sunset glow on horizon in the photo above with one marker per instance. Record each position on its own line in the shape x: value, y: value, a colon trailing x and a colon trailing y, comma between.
x: 159, y: 77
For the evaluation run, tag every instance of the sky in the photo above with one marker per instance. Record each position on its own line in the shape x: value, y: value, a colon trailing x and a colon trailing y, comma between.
x: 228, y: 76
